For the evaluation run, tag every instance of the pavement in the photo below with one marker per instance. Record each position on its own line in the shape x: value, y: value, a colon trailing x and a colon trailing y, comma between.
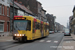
x: 3, y: 34
x: 49, y: 43
x: 73, y: 36
x: 6, y: 38
x: 69, y: 42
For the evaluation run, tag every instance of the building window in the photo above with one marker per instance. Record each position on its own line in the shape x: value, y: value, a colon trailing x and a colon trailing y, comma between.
x: 3, y: 9
x: 1, y: 27
x: 15, y: 11
x: 0, y: 9
x: 7, y: 11
x: 37, y: 25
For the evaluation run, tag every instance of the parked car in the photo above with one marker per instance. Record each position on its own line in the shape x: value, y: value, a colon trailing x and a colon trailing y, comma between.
x: 51, y: 32
x: 67, y: 33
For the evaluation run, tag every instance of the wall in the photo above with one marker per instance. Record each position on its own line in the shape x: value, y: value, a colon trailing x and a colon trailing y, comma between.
x: 5, y: 2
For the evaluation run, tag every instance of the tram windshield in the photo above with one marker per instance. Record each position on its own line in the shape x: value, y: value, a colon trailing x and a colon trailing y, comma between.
x: 22, y: 25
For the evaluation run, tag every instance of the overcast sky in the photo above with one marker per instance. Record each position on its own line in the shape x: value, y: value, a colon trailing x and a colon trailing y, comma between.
x: 62, y: 9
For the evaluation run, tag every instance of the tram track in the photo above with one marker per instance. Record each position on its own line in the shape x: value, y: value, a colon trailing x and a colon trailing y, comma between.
x: 11, y: 45
x: 14, y: 44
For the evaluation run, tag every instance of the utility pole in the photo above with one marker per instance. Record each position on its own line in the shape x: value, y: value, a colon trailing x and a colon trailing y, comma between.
x: 13, y: 15
x: 11, y: 18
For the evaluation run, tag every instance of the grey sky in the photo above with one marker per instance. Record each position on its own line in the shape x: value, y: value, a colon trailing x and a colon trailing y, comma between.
x: 62, y: 9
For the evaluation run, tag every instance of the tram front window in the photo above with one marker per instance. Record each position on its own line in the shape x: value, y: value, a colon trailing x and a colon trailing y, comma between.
x: 22, y: 25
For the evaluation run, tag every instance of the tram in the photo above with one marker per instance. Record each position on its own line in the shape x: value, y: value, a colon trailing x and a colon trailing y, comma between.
x: 29, y: 28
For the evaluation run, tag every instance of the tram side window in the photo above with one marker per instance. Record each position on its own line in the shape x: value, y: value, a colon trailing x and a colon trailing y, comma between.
x: 37, y: 25
x: 29, y: 25
x: 33, y: 27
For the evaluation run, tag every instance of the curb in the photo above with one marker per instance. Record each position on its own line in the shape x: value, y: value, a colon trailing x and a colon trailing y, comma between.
x: 5, y: 35
x: 61, y: 44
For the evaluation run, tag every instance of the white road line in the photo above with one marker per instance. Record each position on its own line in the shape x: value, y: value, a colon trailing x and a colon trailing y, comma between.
x: 55, y: 41
x: 68, y: 41
x: 48, y: 41
x: 41, y: 40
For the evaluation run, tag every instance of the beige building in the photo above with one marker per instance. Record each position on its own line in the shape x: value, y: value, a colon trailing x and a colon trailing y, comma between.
x: 43, y: 13
x: 72, y: 22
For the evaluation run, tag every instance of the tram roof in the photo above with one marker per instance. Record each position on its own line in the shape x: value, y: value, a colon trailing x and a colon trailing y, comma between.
x: 30, y: 17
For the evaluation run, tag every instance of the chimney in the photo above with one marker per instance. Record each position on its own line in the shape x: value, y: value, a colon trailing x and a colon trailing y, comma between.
x: 16, y: 0
x: 20, y: 3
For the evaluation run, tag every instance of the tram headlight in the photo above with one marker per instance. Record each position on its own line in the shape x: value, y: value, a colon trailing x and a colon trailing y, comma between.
x: 14, y: 34
x: 22, y: 34
x: 18, y: 34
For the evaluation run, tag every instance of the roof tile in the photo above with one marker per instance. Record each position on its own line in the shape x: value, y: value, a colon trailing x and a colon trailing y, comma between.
x: 23, y: 7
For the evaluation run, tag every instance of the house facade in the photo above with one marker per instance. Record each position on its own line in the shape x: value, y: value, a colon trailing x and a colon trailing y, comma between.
x: 72, y: 22
x: 51, y: 20
x: 4, y: 16
x: 31, y: 5
x: 39, y: 10
x: 43, y: 15
x: 19, y: 10
x: 36, y: 7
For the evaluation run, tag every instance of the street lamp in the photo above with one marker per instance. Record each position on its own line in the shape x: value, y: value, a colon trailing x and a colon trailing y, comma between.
x: 13, y: 8
x: 11, y: 19
x: 13, y: 15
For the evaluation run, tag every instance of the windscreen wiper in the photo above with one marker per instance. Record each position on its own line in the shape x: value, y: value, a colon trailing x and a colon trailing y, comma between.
x: 17, y: 27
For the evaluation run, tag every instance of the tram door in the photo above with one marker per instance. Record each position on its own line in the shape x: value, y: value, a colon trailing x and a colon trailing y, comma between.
x: 42, y: 30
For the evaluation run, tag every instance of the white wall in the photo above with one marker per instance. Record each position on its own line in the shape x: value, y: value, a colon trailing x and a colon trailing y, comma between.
x: 20, y: 13
x: 5, y: 2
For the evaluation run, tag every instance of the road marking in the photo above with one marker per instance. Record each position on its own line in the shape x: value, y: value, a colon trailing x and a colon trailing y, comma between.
x: 68, y: 41
x: 48, y: 41
x: 55, y: 41
x: 42, y: 40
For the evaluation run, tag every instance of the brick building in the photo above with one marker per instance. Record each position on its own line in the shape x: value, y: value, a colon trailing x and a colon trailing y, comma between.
x: 51, y: 20
x: 72, y: 22
x: 19, y: 10
x: 59, y: 27
x: 39, y: 10
x: 4, y: 16
x: 31, y: 5
x: 43, y: 15
x: 36, y: 7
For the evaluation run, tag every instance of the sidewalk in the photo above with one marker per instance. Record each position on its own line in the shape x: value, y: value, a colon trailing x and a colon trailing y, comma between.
x: 69, y: 43
x: 3, y: 34
x: 6, y: 38
x: 73, y: 36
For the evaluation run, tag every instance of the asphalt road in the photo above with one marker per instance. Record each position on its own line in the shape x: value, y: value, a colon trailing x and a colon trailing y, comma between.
x: 48, y: 43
